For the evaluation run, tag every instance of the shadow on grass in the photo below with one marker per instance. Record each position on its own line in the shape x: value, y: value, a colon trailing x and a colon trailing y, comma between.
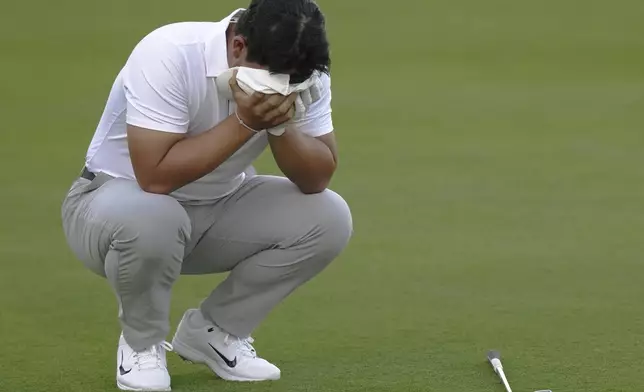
x: 197, y: 379
x: 204, y: 380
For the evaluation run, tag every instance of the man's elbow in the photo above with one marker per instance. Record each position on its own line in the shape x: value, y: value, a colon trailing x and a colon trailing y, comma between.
x: 151, y: 186
x: 316, y: 181
x: 313, y: 187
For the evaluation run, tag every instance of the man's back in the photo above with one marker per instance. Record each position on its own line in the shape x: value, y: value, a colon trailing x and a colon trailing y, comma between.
x: 187, y: 56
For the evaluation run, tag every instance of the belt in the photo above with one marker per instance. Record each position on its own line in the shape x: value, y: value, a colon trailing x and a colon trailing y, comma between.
x: 88, y: 175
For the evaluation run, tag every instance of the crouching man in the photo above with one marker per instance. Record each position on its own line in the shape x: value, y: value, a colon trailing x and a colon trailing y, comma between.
x: 165, y: 190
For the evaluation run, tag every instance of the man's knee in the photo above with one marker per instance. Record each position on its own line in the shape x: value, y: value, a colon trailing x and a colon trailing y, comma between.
x: 334, y: 224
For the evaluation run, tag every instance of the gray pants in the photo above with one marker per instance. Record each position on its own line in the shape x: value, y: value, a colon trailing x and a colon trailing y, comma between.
x: 270, y: 236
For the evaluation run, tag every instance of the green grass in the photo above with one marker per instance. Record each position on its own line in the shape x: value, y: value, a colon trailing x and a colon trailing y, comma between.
x: 493, y: 156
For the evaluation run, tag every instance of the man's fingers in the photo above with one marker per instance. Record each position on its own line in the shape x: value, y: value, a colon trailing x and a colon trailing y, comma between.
x: 284, y: 117
x: 256, y: 97
x: 283, y: 108
x: 291, y: 98
x: 288, y: 103
x: 269, y: 103
x: 233, y: 83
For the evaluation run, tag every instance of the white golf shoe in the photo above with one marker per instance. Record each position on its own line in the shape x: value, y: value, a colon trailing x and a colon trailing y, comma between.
x: 143, y: 370
x: 230, y: 357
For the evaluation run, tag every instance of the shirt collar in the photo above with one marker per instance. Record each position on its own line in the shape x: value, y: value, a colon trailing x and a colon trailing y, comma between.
x: 216, y: 46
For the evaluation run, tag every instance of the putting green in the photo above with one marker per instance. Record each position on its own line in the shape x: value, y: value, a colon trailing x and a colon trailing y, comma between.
x: 492, y: 153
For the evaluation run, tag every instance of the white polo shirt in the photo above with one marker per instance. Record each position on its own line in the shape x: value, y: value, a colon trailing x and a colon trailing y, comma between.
x: 168, y: 85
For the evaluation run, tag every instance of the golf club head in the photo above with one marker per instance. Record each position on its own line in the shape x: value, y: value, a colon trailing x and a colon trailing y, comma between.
x: 493, y: 354
x: 494, y: 357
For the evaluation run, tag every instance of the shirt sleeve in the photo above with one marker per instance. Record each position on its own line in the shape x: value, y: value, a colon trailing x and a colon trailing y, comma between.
x: 317, y: 121
x: 155, y: 87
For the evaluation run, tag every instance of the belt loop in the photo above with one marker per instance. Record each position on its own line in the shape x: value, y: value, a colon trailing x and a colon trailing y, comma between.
x: 88, y: 175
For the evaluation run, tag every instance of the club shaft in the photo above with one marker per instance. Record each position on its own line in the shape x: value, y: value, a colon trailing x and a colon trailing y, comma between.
x: 504, y: 380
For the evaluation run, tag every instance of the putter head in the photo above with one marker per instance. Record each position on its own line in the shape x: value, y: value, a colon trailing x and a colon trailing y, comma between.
x: 543, y: 390
x: 493, y: 354
x: 494, y: 357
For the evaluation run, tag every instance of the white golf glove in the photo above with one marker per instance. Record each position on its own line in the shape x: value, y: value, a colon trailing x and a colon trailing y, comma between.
x: 310, y: 94
x: 310, y: 91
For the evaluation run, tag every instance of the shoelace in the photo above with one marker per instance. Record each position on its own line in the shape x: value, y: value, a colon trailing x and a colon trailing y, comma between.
x: 151, y: 358
x: 244, y: 346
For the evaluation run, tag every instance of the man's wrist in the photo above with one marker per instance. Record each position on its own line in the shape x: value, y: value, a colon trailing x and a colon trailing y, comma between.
x: 240, y: 131
x: 244, y: 124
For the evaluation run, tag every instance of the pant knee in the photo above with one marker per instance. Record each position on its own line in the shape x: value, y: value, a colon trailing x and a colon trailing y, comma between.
x: 335, y: 224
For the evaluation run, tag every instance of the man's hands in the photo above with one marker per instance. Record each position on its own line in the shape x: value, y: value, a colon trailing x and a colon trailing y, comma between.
x: 260, y: 111
x: 307, y: 161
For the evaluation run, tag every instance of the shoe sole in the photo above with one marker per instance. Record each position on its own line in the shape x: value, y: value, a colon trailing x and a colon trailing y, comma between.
x: 192, y: 356
x: 126, y: 388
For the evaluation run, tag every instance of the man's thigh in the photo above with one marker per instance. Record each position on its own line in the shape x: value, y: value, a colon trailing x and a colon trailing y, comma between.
x: 100, y: 214
x: 267, y: 212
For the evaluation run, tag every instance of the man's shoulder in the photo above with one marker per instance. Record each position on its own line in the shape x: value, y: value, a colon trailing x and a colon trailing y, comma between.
x: 181, y: 44
x: 182, y: 33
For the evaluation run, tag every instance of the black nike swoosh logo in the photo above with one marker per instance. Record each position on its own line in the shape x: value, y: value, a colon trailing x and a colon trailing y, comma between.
x: 121, y: 368
x: 230, y: 363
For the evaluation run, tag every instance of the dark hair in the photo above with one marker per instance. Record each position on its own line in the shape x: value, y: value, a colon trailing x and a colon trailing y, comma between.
x: 286, y: 36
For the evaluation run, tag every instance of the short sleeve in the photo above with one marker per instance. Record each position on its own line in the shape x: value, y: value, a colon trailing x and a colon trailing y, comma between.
x: 317, y: 121
x: 155, y: 87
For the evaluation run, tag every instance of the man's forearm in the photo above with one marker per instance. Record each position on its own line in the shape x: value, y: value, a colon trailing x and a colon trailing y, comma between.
x: 194, y: 157
x: 308, y: 162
